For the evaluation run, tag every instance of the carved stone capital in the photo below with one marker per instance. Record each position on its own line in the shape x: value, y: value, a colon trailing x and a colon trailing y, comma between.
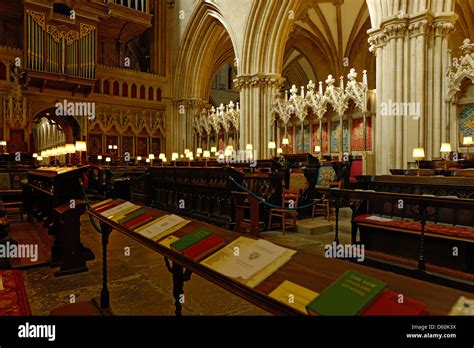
x: 377, y: 40
x: 246, y: 81
x: 443, y: 28
x: 419, y: 27
x: 395, y: 30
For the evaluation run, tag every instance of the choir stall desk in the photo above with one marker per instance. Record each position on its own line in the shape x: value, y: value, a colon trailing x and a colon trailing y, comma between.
x: 312, y: 271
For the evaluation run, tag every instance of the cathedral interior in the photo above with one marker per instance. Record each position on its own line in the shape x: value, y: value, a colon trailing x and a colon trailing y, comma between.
x: 331, y: 138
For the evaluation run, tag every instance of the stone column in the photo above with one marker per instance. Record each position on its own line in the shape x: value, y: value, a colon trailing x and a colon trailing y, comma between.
x: 442, y: 27
x: 411, y: 59
x: 159, y: 38
x: 181, y: 127
x: 257, y: 93
x: 377, y: 41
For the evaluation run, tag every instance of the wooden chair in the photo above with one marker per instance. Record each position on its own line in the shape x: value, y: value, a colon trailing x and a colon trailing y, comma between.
x: 322, y: 206
x: 326, y: 178
x: 245, y: 205
x: 288, y: 198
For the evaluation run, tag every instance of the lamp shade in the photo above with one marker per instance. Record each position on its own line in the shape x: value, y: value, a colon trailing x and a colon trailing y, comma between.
x: 39, y: 158
x: 81, y: 146
x: 139, y: 158
x: 43, y: 154
x: 249, y: 147
x: 445, y: 147
x: 419, y: 152
x: 147, y: 160
x: 62, y: 150
x: 186, y: 151
x: 213, y: 149
x: 317, y: 148
x: 108, y: 159
x: 70, y: 148
x: 279, y: 151
x: 467, y: 141
x: 199, y: 150
x: 230, y: 147
x: 207, y: 154
x: 110, y: 147
x: 162, y: 156
x: 227, y: 153
x: 285, y: 141
x: 151, y: 156
x: 35, y: 155
x: 174, y: 156
x: 164, y: 160
x: 99, y: 157
x: 272, y: 145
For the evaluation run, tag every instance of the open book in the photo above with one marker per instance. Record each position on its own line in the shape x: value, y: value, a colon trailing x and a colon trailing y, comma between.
x: 248, y: 260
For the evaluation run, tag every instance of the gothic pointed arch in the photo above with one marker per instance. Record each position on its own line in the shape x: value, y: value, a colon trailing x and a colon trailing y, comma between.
x: 206, y: 45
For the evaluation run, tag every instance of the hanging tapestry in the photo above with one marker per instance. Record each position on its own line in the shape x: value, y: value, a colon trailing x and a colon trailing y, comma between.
x: 357, y: 139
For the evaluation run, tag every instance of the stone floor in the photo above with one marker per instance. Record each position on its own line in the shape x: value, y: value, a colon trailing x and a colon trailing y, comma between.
x: 140, y: 284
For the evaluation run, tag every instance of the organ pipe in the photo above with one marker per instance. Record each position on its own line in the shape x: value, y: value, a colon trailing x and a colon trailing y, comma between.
x: 74, y: 54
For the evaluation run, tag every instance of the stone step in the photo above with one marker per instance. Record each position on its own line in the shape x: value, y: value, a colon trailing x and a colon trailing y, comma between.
x: 314, y: 226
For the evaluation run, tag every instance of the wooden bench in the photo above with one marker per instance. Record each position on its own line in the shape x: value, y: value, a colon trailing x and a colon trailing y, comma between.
x: 431, y: 230
x: 447, y: 226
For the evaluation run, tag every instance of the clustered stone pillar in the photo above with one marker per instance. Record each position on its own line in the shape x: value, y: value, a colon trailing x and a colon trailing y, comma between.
x: 182, y: 131
x: 411, y: 58
x: 257, y: 93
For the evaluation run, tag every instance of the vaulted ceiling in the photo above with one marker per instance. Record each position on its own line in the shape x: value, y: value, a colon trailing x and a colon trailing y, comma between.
x: 464, y: 28
x: 329, y: 37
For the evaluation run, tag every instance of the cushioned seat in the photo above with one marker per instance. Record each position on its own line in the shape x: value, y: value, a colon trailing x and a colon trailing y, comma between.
x: 449, y: 230
x: 356, y: 169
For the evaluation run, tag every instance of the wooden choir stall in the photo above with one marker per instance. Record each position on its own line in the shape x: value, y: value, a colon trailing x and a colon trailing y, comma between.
x: 54, y: 199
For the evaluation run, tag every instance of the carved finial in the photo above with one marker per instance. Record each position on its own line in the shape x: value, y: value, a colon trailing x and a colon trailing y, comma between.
x: 330, y: 81
x: 293, y: 90
x: 467, y: 46
x: 352, y: 75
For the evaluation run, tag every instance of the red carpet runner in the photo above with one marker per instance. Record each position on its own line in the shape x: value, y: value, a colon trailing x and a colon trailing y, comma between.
x: 13, y: 297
